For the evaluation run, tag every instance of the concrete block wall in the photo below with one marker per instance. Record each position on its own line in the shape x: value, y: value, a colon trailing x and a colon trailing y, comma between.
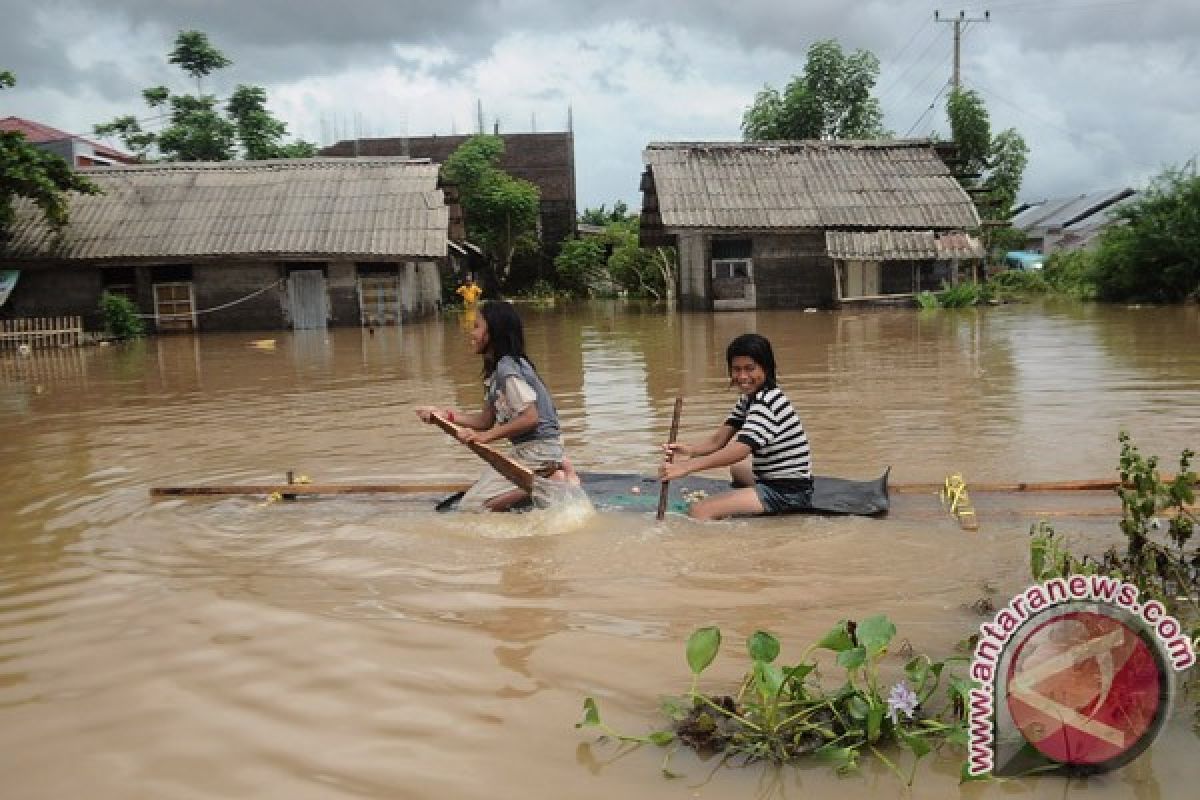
x: 215, y: 285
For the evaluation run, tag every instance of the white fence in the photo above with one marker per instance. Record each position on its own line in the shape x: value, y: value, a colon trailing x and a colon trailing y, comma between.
x: 40, y: 332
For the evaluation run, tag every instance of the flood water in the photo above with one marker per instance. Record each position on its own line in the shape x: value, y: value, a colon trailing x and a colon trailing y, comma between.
x: 367, y: 647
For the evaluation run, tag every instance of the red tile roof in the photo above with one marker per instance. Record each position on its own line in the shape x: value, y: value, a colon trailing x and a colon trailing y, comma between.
x: 38, y: 133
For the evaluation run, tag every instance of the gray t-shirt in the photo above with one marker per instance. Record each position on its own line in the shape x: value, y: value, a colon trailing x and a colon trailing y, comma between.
x: 498, y: 394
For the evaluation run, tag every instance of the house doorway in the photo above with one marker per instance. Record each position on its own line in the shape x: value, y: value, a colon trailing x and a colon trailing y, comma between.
x: 379, y: 299
x: 308, y: 299
x: 862, y: 279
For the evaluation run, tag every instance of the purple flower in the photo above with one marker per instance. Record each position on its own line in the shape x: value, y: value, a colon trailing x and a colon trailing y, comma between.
x: 903, y: 699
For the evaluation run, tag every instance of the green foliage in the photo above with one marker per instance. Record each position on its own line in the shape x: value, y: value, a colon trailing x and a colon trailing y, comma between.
x: 831, y: 100
x: 258, y: 131
x: 1015, y: 284
x: 581, y: 263
x: 995, y: 163
x: 41, y: 176
x: 960, y: 295
x: 1069, y: 272
x: 196, y: 56
x: 1161, y: 567
x: 783, y: 714
x: 1152, y: 251
x: 120, y: 317
x: 927, y: 301
x: 501, y: 211
x: 602, y: 216
x: 197, y: 128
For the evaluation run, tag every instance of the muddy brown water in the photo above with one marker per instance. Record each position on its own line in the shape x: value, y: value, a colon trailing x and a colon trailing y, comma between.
x: 366, y: 647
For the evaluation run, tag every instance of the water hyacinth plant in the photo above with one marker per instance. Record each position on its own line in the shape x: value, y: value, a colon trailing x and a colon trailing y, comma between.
x: 783, y: 714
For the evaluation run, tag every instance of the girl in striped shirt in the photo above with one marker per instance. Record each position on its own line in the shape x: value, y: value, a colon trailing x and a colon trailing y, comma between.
x: 763, y: 426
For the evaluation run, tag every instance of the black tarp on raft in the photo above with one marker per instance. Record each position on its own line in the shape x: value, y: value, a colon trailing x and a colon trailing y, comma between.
x: 611, y: 491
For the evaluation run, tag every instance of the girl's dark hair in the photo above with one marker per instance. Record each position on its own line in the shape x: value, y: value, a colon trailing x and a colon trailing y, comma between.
x: 756, y: 348
x: 506, y: 334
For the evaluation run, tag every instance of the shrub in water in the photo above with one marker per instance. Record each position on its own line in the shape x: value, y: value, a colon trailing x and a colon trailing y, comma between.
x: 120, y: 317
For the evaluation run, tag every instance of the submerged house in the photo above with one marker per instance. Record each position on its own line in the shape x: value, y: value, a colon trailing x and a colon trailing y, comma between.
x: 806, y: 223
x: 242, y: 245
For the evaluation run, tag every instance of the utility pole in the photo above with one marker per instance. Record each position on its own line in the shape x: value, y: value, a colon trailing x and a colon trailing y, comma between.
x: 958, y: 30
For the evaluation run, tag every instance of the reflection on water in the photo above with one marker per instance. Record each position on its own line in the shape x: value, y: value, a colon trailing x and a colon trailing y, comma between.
x: 368, y: 647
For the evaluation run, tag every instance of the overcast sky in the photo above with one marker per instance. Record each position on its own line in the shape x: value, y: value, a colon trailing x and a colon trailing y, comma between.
x: 1104, y: 91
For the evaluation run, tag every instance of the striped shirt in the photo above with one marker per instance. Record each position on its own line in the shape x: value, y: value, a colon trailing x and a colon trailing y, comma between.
x: 769, y: 426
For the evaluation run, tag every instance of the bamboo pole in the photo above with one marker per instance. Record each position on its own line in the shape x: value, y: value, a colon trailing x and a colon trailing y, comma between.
x: 662, y: 491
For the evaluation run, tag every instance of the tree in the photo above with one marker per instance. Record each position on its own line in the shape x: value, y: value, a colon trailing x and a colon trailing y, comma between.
x: 197, y: 128
x: 831, y: 100
x: 501, y: 211
x: 196, y: 56
x: 994, y: 164
x: 258, y: 131
x: 43, y: 177
x: 602, y: 216
x: 581, y: 264
x: 1151, y: 252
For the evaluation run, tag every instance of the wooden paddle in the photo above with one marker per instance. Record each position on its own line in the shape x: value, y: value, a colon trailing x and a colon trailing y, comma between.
x: 521, y: 475
x: 662, y: 492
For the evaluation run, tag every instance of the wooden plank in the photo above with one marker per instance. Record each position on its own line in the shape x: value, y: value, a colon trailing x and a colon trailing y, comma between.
x: 308, y: 489
x: 1021, y: 486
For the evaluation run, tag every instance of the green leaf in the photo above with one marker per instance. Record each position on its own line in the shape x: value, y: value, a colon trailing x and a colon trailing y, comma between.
x: 917, y: 671
x: 874, y: 633
x: 591, y: 714
x: 795, y: 676
x: 874, y: 723
x: 917, y: 744
x: 763, y: 646
x: 661, y: 738
x: 673, y: 707
x: 852, y: 658
x: 769, y: 678
x: 702, y: 647
x: 857, y: 707
x: 838, y: 638
x: 842, y: 759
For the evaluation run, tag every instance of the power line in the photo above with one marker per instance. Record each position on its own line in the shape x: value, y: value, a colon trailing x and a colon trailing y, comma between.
x: 932, y: 104
x: 937, y: 37
x: 896, y: 57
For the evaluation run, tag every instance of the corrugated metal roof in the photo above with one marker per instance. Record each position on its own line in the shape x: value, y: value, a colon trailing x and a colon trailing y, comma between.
x: 810, y: 184
x: 901, y: 245
x: 318, y: 207
x: 1060, y: 212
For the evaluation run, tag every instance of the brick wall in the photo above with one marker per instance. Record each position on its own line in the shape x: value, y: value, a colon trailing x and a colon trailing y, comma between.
x: 793, y: 271
x: 547, y: 160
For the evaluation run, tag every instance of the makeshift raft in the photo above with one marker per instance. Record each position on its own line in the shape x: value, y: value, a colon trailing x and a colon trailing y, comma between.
x: 610, y: 491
